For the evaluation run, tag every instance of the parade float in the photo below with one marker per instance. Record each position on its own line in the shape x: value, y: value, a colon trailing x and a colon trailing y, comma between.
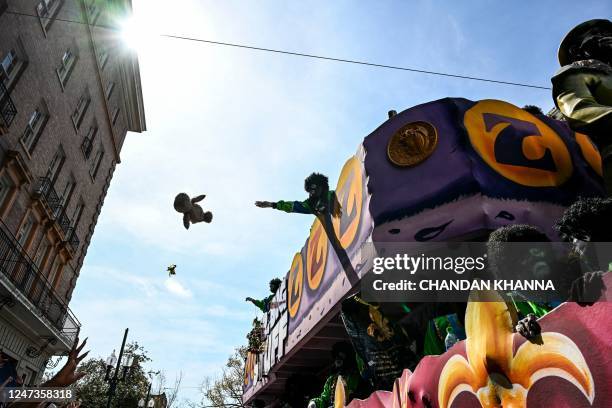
x: 447, y: 170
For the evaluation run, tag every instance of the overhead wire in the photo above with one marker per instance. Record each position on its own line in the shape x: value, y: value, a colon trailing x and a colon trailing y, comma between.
x: 307, y: 55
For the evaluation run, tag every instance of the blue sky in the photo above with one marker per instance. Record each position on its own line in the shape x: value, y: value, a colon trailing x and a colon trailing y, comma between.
x: 241, y: 125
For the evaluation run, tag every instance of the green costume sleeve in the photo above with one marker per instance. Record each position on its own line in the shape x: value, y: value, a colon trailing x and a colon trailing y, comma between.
x: 260, y: 304
x: 324, y: 400
x: 301, y: 207
x: 579, y: 96
x: 329, y: 389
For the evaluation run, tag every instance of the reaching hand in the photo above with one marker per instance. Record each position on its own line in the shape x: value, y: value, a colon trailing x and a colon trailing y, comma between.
x: 68, y: 375
x: 528, y: 327
x: 263, y: 204
x: 248, y: 299
x: 587, y: 289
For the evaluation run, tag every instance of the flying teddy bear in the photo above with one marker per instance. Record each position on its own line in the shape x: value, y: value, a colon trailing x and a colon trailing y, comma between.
x: 192, y: 212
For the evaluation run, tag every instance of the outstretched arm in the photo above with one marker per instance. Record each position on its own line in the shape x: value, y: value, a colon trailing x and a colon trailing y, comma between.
x: 259, y: 303
x: 300, y: 207
x: 198, y: 198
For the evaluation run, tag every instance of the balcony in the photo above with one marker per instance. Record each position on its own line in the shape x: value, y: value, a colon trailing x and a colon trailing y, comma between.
x: 47, y: 193
x: 7, y: 108
x: 17, y: 267
x: 72, y: 239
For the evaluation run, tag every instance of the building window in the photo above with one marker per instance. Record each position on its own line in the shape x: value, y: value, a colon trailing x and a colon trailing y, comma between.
x: 67, y: 191
x: 93, y: 12
x: 43, y: 248
x: 55, y: 268
x: 34, y: 128
x: 109, y: 89
x: 6, y: 185
x: 65, y: 68
x: 95, y: 164
x: 9, y: 62
x: 103, y: 57
x: 12, y: 65
x: 78, y: 211
x: 88, y: 141
x: 25, y: 230
x: 115, y: 115
x: 81, y: 109
x: 47, y: 10
x: 56, y: 165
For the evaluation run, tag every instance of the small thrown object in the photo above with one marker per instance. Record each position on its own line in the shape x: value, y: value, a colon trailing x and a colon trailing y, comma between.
x: 171, y: 270
x: 192, y: 212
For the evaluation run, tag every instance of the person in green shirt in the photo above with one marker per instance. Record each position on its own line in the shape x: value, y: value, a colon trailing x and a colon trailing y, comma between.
x: 345, y: 366
x: 322, y: 203
x: 321, y: 200
x: 265, y: 303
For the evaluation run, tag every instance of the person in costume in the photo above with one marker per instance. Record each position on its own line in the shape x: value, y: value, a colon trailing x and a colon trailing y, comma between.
x: 321, y: 200
x: 345, y: 367
x: 265, y: 303
x: 532, y: 258
x: 588, y: 221
x: 582, y: 88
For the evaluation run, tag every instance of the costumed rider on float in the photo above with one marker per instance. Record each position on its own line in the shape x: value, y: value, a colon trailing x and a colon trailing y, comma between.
x: 582, y: 88
x: 345, y: 368
x: 321, y: 200
x: 266, y: 303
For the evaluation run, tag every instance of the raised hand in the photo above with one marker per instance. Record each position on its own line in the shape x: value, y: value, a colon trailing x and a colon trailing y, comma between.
x: 529, y: 327
x: 263, y: 204
x: 68, y: 374
x: 587, y: 289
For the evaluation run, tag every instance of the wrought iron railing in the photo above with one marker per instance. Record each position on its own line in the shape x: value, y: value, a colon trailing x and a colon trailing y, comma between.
x: 23, y: 273
x: 45, y: 190
x: 63, y: 221
x: 72, y: 238
x: 7, y: 107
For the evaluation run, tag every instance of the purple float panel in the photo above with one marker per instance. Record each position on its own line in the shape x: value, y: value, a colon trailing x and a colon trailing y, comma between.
x: 473, y: 166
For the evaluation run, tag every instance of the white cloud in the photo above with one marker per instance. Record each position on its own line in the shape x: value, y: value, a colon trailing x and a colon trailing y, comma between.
x: 175, y: 287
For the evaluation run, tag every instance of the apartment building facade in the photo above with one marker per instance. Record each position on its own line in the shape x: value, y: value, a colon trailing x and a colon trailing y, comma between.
x: 69, y: 93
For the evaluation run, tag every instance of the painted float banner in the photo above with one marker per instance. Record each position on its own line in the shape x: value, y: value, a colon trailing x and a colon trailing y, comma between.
x: 482, y: 165
x: 316, y: 268
x: 568, y: 366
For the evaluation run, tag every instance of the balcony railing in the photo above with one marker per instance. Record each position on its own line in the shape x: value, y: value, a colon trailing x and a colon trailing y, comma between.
x: 72, y: 238
x: 22, y: 272
x: 63, y: 221
x: 7, y: 107
x: 45, y: 190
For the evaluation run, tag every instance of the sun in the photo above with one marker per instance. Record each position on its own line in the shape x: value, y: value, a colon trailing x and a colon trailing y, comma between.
x: 139, y: 34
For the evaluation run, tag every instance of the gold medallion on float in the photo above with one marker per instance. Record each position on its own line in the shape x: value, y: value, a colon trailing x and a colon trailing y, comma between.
x: 412, y: 144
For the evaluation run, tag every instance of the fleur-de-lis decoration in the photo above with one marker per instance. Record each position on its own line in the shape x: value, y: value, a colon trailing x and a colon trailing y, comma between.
x: 340, y: 393
x: 499, y: 377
